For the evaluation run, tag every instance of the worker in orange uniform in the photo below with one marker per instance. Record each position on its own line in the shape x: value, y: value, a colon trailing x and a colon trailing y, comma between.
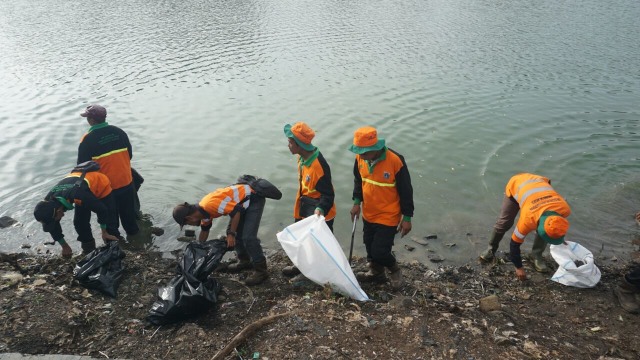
x: 110, y: 147
x: 541, y: 209
x: 89, y: 193
x: 383, y: 192
x: 315, y: 189
x: 244, y: 207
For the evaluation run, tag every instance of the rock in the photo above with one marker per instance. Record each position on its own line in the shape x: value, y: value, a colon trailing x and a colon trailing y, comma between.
x: 419, y: 240
x: 25, y: 246
x: 409, y: 247
x: 157, y: 231
x: 435, y: 259
x: 7, y: 221
x: 431, y: 237
x: 490, y: 303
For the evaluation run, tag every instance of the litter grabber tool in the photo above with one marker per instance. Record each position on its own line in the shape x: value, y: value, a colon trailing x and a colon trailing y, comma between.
x: 353, y: 233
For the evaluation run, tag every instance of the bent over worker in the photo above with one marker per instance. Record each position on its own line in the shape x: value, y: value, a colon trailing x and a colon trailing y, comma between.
x: 315, y: 190
x: 110, y: 147
x: 382, y: 191
x: 92, y: 194
x: 244, y: 206
x: 542, y: 210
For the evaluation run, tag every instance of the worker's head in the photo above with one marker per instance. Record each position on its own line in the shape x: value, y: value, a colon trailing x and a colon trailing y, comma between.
x: 48, y: 213
x: 552, y: 227
x: 186, y: 214
x: 366, y: 143
x: 95, y: 114
x: 300, y: 136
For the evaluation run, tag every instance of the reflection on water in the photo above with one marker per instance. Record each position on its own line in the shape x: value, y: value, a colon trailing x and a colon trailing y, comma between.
x: 469, y: 93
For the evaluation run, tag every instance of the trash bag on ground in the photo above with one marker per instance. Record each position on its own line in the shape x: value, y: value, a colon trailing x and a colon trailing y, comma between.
x: 101, y: 269
x: 576, y: 265
x: 314, y: 250
x: 191, y: 291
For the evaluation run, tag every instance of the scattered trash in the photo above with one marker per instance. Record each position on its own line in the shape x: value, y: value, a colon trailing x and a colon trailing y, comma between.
x: 435, y: 259
x: 409, y: 247
x: 431, y: 237
x: 451, y: 244
x: 25, y: 246
x: 157, y: 231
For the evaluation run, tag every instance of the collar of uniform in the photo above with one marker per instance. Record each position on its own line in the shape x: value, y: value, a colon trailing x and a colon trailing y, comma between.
x: 311, y: 158
x: 383, y: 156
x: 98, y: 126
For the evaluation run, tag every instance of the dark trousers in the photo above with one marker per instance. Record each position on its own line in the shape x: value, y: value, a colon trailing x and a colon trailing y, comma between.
x: 82, y: 220
x: 379, y: 240
x: 247, y: 242
x: 125, y: 205
x: 508, y: 212
x: 633, y: 277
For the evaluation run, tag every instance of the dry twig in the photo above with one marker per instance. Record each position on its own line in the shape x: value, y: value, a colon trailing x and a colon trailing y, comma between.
x: 246, y: 332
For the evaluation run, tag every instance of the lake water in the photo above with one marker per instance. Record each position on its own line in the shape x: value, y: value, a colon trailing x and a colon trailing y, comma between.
x: 470, y: 92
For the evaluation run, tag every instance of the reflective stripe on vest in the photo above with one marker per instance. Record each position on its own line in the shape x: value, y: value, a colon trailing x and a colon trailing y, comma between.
x: 109, y: 153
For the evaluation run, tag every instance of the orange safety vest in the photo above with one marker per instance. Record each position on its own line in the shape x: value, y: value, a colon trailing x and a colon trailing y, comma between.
x: 110, y: 151
x: 535, y: 195
x: 381, y: 201
x: 98, y: 182
x: 224, y: 200
x: 309, y: 177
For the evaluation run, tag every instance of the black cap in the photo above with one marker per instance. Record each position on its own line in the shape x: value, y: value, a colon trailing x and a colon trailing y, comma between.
x: 182, y: 211
x: 45, y: 212
x: 95, y: 112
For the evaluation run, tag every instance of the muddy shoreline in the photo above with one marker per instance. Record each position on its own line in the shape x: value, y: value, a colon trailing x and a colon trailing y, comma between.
x: 472, y: 311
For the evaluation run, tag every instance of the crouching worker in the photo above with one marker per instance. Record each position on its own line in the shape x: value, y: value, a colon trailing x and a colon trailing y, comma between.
x: 542, y: 210
x: 90, y: 191
x: 244, y: 204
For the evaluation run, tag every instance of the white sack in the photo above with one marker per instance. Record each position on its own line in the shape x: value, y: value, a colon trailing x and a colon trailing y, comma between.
x: 311, y: 246
x: 568, y: 273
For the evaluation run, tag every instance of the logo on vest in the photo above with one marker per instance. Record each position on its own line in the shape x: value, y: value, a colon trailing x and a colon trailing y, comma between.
x: 386, y: 175
x: 307, y: 179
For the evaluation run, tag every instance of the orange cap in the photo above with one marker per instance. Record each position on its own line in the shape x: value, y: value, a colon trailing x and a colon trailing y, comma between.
x: 366, y: 139
x: 301, y: 133
x: 552, y: 227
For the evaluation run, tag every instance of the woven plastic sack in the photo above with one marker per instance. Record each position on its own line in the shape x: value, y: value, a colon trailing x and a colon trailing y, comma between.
x: 584, y: 274
x: 314, y: 250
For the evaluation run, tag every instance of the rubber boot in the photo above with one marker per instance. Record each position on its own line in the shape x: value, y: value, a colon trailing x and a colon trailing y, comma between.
x: 395, y: 276
x: 242, y: 264
x: 627, y: 296
x: 259, y: 274
x: 290, y: 270
x: 88, y: 246
x: 538, y: 248
x: 375, y: 274
x: 494, y: 242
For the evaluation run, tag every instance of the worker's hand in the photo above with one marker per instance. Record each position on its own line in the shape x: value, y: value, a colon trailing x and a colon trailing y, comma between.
x: 404, y: 228
x: 66, y: 251
x: 317, y: 212
x: 231, y: 241
x: 638, y: 216
x: 355, y: 212
x: 108, y: 237
x: 521, y: 274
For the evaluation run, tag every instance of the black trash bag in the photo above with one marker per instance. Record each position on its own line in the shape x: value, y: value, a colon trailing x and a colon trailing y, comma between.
x: 191, y: 292
x: 262, y: 187
x: 101, y: 269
